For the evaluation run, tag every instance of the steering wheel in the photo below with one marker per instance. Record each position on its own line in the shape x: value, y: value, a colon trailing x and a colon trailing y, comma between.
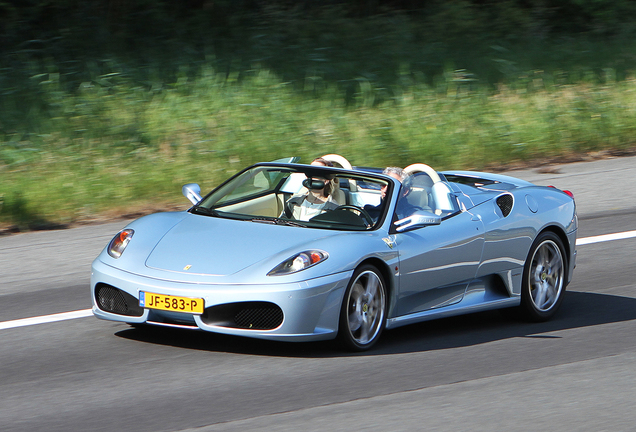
x: 367, y: 217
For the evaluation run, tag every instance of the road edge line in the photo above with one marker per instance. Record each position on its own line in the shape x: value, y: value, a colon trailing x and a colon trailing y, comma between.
x: 4, y: 325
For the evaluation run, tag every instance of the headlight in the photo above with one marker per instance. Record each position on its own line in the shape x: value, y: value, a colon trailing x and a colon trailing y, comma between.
x: 119, y: 243
x: 299, y: 262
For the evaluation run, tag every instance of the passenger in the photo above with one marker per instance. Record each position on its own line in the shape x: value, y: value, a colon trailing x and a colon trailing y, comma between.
x: 395, y: 172
x: 318, y: 198
x: 398, y: 174
x: 411, y: 196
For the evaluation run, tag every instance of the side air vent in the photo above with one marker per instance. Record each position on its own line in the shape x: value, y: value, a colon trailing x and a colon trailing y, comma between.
x: 245, y: 315
x: 505, y: 204
x: 113, y: 300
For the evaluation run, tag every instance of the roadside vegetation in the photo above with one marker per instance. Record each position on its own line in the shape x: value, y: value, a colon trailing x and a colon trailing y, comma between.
x: 107, y: 109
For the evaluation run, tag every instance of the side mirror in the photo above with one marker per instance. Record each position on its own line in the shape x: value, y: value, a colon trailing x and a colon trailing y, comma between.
x: 418, y: 219
x: 192, y: 191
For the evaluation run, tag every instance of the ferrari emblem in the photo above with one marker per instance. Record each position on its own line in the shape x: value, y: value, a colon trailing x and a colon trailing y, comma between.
x: 187, y: 267
x: 388, y: 242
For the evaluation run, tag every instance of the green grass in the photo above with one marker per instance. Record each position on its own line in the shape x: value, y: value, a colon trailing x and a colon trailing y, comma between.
x: 103, y: 115
x: 119, y: 148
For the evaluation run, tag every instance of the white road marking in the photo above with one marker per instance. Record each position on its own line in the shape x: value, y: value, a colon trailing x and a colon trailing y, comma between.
x: 606, y: 237
x: 87, y: 312
x: 45, y: 319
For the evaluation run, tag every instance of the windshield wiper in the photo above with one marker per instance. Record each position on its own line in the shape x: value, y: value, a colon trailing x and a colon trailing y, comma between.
x: 203, y: 211
x: 278, y: 221
x: 289, y: 223
x: 265, y: 221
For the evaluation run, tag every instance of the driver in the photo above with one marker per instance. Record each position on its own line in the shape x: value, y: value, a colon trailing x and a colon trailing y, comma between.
x: 318, y: 198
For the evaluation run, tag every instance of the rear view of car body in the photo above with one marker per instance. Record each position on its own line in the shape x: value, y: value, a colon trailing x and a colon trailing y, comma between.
x: 514, y: 212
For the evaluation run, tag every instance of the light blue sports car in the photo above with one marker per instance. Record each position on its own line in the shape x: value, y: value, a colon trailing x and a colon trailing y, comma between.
x: 287, y: 251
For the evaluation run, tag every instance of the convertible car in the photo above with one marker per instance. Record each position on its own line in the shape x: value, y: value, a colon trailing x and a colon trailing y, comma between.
x: 360, y: 252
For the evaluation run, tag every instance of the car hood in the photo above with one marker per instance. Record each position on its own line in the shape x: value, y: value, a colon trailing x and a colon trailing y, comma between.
x: 202, y: 245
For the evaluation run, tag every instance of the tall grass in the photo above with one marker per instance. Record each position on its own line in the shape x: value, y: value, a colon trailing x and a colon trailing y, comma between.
x: 108, y: 111
x: 114, y: 147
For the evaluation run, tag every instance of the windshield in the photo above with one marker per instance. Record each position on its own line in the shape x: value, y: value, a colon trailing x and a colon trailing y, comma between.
x: 304, y: 196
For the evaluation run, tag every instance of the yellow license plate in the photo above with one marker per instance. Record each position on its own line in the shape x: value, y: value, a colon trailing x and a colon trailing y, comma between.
x: 170, y: 303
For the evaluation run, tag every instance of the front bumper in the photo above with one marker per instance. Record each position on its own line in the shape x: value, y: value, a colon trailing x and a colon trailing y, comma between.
x: 310, y: 309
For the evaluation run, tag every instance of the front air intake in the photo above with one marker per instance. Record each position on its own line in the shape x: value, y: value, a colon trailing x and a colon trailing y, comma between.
x: 114, y: 300
x: 244, y: 315
x: 505, y: 204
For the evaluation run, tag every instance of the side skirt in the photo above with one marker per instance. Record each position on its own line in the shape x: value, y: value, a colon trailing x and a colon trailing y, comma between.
x: 481, y: 295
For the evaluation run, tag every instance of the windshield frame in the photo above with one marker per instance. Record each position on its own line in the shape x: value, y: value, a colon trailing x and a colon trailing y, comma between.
x: 209, y: 205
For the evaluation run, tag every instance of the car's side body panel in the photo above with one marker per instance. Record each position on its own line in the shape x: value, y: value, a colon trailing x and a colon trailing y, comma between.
x: 438, y: 262
x: 504, y: 243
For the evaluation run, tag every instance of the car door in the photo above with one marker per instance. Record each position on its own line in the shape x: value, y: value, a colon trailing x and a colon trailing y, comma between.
x: 438, y: 261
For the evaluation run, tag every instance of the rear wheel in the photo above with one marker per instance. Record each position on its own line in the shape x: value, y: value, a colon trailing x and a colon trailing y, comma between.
x: 544, y: 276
x: 363, y: 311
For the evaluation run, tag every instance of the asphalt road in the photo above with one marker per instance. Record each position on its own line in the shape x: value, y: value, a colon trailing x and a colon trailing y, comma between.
x: 477, y: 372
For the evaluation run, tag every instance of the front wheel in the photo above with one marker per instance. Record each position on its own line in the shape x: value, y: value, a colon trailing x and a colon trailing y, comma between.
x: 363, y: 311
x: 544, y: 276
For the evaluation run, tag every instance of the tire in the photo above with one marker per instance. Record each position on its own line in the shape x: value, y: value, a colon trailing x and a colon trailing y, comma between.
x: 544, y: 276
x: 363, y: 310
